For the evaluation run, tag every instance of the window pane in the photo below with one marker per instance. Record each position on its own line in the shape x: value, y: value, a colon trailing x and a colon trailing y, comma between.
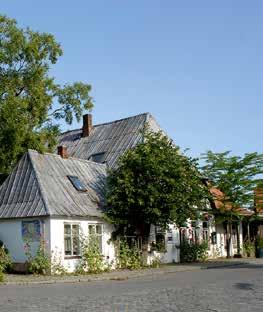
x: 75, y: 241
x: 75, y: 229
x: 91, y: 229
x: 98, y: 229
x: 67, y: 229
x: 99, y: 157
x: 77, y: 183
x: 67, y: 244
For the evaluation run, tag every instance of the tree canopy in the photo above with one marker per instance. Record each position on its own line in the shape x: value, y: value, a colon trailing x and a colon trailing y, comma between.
x: 31, y: 102
x: 154, y: 184
x: 236, y: 176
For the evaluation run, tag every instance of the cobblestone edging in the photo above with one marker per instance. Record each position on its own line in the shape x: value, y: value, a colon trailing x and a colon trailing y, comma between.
x: 13, y: 279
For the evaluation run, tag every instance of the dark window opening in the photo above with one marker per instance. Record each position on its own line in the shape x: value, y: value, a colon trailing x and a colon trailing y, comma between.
x: 98, y: 157
x: 77, y: 183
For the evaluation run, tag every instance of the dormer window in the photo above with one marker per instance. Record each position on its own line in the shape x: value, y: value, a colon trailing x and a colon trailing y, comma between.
x: 77, y: 183
x: 98, y: 157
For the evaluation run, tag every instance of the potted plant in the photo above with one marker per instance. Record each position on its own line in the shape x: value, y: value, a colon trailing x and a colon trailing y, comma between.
x: 259, y: 247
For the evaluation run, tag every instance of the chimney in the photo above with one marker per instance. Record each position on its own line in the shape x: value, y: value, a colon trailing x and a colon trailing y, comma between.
x: 87, y: 125
x: 63, y: 151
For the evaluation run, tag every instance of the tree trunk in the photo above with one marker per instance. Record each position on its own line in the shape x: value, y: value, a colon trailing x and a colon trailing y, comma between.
x: 144, y: 232
x: 228, y: 239
x: 238, y: 240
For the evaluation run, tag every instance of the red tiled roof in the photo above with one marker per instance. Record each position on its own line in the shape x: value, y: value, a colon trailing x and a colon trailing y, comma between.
x: 221, y: 203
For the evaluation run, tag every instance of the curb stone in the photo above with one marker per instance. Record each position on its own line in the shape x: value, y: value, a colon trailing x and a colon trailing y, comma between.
x: 122, y: 275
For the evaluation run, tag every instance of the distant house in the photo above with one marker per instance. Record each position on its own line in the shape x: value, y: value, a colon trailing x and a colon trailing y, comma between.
x: 105, y: 143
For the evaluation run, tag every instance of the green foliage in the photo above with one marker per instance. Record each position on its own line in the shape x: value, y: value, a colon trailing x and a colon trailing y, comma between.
x: 259, y: 242
x: 128, y: 257
x: 153, y: 184
x: 156, y: 263
x: 92, y: 261
x: 5, y: 261
x: 31, y: 102
x: 158, y: 246
x: 2, y: 275
x: 190, y: 252
x: 235, y: 176
x: 57, y: 267
x: 40, y: 263
x: 249, y: 248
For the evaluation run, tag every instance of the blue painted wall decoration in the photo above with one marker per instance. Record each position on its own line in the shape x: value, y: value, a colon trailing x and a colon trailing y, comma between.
x: 31, y: 230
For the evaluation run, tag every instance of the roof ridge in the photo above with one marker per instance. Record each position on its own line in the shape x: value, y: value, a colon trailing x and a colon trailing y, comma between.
x: 118, y: 120
x: 38, y: 181
x: 147, y: 114
x: 73, y: 158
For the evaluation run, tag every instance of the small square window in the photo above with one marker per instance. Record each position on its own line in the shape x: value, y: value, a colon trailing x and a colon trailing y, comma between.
x: 98, y: 157
x: 77, y: 183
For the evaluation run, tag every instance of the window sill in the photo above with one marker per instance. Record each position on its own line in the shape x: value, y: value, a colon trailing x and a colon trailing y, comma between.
x: 71, y: 257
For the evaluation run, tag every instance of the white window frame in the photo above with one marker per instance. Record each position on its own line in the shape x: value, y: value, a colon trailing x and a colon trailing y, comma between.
x: 95, y: 234
x: 71, y: 236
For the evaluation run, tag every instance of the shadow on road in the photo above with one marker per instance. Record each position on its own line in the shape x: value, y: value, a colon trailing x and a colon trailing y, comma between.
x: 239, y: 265
x: 244, y: 286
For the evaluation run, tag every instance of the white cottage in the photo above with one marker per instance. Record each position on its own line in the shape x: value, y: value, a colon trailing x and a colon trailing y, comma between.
x: 55, y: 199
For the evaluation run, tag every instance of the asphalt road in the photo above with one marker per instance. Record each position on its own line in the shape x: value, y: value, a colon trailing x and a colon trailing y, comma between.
x: 223, y: 289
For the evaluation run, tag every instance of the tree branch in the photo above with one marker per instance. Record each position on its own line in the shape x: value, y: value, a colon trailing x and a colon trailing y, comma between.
x: 55, y: 111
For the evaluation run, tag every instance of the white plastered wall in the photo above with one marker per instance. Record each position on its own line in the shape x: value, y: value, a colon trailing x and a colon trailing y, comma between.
x: 11, y: 236
x: 57, y: 241
x: 172, y: 244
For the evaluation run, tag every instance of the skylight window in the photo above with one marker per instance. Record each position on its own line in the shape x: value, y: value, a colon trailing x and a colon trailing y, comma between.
x: 98, y: 157
x: 77, y: 183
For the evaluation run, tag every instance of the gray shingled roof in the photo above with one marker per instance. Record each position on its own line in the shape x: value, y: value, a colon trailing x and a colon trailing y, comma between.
x: 39, y: 186
x: 112, y: 138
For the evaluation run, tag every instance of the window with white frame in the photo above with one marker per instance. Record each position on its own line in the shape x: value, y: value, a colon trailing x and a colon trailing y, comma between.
x: 95, y: 234
x: 71, y: 239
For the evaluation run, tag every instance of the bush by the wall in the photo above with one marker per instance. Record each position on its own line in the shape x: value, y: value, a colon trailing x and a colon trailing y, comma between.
x: 5, y: 261
x: 190, y: 252
x: 128, y: 257
x: 41, y: 262
x: 92, y: 260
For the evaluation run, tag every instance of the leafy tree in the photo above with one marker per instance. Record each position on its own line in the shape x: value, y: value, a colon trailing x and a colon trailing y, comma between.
x: 153, y: 184
x: 233, y: 180
x: 31, y: 103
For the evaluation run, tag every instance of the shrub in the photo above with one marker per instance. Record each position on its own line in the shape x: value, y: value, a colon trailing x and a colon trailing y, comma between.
x: 249, y: 248
x: 156, y: 263
x: 57, y: 267
x: 190, y: 252
x: 2, y: 276
x: 5, y: 261
x: 128, y: 257
x: 92, y: 261
x: 41, y: 262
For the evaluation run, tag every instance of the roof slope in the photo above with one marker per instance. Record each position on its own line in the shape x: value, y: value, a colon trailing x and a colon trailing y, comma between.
x: 20, y: 194
x: 39, y: 186
x: 112, y: 138
x: 221, y: 204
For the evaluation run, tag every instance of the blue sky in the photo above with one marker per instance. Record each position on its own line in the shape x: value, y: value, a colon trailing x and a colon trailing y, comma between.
x: 195, y: 65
